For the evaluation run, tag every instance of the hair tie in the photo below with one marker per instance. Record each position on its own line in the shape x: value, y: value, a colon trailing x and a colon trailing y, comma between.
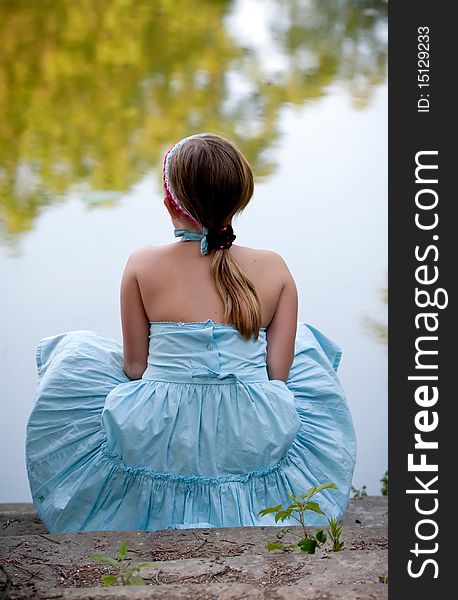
x: 221, y: 238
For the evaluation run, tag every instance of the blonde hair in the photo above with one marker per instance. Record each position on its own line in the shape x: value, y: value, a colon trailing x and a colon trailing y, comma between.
x: 213, y: 181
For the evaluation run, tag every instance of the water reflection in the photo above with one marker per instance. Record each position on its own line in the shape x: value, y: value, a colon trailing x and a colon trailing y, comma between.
x: 92, y: 93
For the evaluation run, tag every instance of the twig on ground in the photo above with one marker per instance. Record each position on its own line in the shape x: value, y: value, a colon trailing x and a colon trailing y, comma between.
x: 48, y: 538
x: 8, y: 522
x: 16, y: 566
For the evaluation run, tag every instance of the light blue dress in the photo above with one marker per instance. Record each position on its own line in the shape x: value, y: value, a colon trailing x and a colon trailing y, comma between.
x: 204, y: 439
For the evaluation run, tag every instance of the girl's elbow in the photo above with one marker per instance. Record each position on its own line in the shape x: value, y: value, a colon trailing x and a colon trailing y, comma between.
x: 280, y: 371
x: 134, y: 371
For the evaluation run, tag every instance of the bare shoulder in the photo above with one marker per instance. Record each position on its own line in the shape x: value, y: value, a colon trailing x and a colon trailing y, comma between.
x: 263, y: 260
x: 146, y: 257
x: 257, y: 254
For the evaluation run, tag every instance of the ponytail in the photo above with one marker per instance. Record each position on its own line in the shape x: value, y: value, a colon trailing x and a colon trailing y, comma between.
x: 208, y: 181
x: 241, y: 302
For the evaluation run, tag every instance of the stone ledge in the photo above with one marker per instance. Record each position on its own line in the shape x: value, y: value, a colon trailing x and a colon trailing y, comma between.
x: 229, y: 563
x: 233, y: 591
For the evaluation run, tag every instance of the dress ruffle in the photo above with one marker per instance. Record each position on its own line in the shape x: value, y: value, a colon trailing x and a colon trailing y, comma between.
x: 107, y: 453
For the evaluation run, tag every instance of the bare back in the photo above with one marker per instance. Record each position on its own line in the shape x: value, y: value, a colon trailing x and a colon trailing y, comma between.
x: 175, y: 283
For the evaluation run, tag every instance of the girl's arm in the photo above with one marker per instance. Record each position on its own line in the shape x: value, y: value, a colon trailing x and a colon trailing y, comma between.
x: 281, y: 332
x: 135, y: 323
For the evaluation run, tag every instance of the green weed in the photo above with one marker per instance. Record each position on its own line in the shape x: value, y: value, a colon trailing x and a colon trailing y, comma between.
x: 359, y: 493
x: 125, y: 573
x: 297, y: 510
x: 335, y: 531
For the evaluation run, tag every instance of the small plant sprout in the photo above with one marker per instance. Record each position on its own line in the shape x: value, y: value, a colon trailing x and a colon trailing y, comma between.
x: 384, y: 482
x: 359, y: 493
x: 335, y: 531
x: 300, y: 504
x: 126, y: 574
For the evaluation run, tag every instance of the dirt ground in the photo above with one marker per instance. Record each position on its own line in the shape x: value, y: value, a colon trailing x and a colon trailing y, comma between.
x: 195, y: 564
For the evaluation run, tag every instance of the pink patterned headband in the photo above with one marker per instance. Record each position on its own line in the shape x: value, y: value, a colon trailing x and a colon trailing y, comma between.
x: 167, y: 186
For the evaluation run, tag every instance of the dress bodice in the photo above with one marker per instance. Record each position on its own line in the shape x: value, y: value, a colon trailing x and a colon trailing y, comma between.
x: 204, y: 352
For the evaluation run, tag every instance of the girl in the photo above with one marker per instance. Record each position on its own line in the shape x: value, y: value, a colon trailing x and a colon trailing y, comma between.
x: 218, y: 405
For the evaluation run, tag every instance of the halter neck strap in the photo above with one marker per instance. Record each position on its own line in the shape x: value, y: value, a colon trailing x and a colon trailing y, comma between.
x: 189, y: 235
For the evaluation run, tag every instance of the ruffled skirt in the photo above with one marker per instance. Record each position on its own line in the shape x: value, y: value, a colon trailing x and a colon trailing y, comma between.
x: 107, y: 453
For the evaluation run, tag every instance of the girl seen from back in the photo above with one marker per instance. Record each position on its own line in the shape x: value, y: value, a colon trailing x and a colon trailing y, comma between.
x: 218, y: 404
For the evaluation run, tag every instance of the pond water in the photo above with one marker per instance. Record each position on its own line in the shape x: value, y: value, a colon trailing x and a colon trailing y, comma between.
x: 92, y: 96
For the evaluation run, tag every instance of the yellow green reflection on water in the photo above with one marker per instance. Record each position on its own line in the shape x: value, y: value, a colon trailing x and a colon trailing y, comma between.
x: 93, y: 92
